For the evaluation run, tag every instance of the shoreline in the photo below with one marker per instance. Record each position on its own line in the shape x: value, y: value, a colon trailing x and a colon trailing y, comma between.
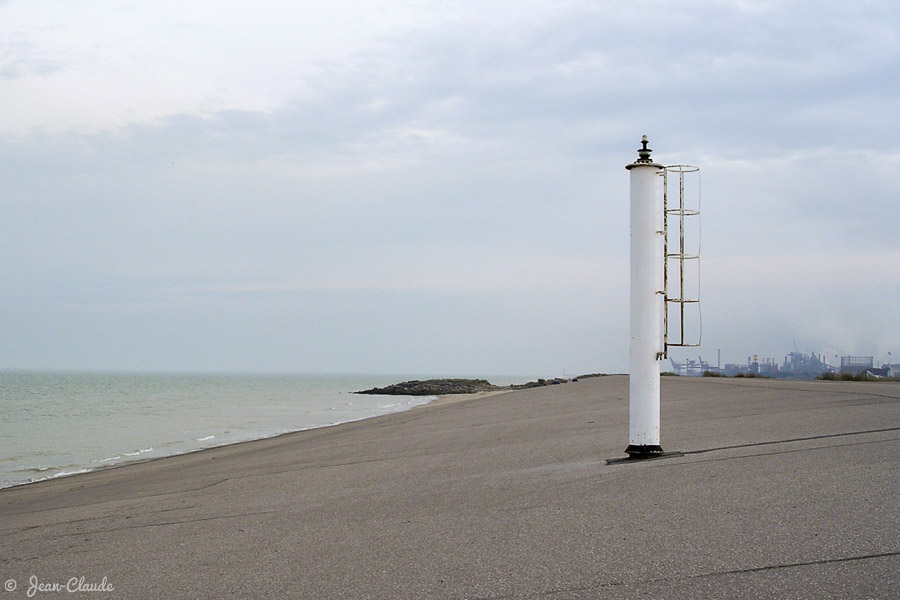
x: 438, y: 400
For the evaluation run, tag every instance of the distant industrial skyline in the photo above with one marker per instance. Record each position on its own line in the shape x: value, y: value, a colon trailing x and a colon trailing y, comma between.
x: 712, y: 356
x: 362, y: 187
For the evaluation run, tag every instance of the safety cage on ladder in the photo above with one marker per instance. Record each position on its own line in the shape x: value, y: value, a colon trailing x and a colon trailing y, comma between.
x: 681, y: 289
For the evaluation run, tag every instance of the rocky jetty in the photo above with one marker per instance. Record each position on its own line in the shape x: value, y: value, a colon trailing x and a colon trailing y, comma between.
x: 443, y: 387
x: 435, y: 387
x: 538, y: 383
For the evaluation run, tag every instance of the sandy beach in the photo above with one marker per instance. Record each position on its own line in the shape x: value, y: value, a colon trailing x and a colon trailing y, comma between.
x: 785, y: 490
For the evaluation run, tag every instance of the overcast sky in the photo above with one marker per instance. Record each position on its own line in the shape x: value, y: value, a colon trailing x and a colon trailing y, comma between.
x: 436, y: 187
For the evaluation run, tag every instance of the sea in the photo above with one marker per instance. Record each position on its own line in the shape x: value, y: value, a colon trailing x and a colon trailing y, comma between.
x: 54, y: 424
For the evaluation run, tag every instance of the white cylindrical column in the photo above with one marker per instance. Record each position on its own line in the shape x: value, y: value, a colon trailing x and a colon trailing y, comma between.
x: 647, y: 304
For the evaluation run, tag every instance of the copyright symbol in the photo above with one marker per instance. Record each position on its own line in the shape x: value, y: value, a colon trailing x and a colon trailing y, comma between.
x: 10, y: 585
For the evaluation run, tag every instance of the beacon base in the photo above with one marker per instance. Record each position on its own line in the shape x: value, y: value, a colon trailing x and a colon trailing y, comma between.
x: 643, y: 451
x: 639, y: 453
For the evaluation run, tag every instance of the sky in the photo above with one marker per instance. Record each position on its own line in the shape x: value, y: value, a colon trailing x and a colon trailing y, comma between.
x: 437, y: 187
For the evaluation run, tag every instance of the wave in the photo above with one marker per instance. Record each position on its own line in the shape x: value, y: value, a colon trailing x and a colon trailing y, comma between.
x: 138, y: 452
x: 27, y: 475
x: 67, y: 473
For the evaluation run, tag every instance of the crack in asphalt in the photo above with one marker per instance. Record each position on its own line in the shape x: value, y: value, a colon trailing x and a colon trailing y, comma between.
x: 599, y: 586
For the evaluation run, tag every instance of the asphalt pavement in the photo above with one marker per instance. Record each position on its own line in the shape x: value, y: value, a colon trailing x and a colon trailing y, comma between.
x: 782, y: 489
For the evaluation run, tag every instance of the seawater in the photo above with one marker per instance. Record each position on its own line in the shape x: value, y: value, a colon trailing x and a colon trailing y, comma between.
x: 57, y: 424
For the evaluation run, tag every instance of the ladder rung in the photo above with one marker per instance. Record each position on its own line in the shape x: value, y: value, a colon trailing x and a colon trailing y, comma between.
x: 687, y: 212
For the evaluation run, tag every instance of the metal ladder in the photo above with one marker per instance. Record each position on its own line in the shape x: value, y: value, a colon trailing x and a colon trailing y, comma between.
x: 680, y: 256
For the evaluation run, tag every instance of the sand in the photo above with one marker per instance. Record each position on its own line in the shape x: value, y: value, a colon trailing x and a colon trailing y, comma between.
x: 785, y: 490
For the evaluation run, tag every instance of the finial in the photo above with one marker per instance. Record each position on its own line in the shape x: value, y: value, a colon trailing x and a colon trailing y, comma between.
x: 644, y: 159
x: 644, y: 151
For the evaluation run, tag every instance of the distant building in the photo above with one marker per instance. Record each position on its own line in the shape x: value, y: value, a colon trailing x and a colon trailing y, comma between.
x: 796, y: 365
x: 732, y: 369
x: 766, y: 367
x: 806, y: 366
x: 874, y: 373
x: 856, y: 364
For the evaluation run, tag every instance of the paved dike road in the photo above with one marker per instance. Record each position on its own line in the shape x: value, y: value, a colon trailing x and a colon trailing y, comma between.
x: 787, y: 490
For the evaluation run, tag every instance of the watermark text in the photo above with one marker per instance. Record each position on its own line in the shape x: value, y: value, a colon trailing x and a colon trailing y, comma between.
x: 73, y: 585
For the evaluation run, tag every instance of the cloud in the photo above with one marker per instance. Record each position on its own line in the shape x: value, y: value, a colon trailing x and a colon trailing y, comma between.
x: 359, y: 176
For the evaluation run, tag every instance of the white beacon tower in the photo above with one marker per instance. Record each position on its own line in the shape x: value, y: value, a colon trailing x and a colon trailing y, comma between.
x: 647, y: 303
